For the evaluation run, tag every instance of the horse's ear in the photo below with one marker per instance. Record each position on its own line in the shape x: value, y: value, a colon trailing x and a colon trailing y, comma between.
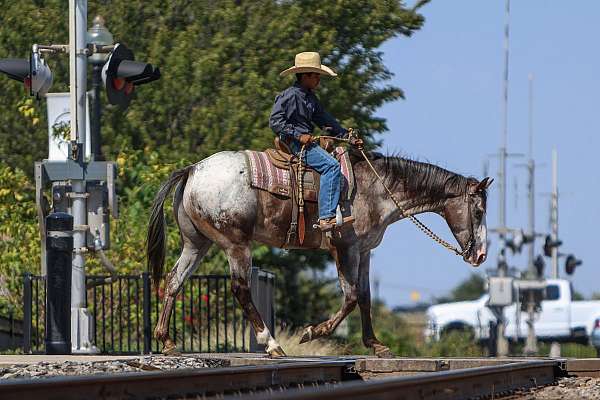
x: 484, y: 184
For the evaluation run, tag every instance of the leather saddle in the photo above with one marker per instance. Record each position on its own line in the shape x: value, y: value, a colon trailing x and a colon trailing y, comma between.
x: 278, y: 171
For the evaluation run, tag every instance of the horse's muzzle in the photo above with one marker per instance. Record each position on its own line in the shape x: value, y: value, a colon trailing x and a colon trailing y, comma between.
x: 476, y: 258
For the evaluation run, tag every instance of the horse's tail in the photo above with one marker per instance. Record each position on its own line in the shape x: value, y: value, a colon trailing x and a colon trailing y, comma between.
x: 156, y: 241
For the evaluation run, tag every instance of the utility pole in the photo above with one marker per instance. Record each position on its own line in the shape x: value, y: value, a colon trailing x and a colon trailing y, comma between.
x: 531, y: 170
x: 555, y: 346
x: 531, y: 343
x: 501, y: 342
x: 554, y: 213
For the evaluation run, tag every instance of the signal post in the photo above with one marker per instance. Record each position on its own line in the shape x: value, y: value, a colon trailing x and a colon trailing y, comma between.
x: 81, y: 186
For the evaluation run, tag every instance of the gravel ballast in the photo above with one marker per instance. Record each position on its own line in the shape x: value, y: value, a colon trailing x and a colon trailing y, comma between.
x: 570, y: 388
x: 143, y: 363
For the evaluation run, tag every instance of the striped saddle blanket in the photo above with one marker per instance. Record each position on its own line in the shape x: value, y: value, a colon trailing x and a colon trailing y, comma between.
x: 267, y: 176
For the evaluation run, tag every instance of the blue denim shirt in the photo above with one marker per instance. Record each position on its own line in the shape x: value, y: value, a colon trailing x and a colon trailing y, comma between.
x: 297, y: 110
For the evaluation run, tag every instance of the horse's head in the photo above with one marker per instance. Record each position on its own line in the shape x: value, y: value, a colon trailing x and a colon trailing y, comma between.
x: 465, y: 215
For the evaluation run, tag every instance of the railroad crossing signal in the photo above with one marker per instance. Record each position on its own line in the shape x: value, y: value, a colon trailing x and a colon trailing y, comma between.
x: 539, y: 265
x: 41, y: 76
x: 570, y: 264
x: 34, y: 73
x: 519, y: 238
x: 121, y: 74
x: 549, y: 244
x: 17, y: 69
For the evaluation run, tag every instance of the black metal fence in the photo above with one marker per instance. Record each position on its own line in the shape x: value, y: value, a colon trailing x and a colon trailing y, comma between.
x: 205, y: 318
x: 11, y: 332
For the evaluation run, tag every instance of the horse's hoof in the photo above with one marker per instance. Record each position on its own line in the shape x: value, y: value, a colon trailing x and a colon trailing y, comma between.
x: 171, y: 350
x: 383, y: 351
x: 276, y: 351
x: 307, y: 335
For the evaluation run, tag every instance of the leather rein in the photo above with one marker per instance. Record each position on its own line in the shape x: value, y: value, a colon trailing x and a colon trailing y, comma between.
x: 424, y: 228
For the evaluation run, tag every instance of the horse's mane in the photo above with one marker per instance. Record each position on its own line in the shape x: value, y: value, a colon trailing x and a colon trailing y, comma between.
x: 421, y: 177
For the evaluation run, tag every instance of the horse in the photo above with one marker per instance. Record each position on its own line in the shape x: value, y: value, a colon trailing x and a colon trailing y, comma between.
x: 214, y: 203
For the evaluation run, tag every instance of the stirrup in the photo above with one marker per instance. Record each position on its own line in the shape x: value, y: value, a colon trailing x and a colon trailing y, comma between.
x: 331, y: 223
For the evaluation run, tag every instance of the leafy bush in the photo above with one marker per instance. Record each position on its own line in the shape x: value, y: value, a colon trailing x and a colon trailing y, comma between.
x: 19, y: 236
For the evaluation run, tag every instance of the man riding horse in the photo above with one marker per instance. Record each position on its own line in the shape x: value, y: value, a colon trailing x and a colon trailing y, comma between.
x: 293, y: 117
x: 215, y: 203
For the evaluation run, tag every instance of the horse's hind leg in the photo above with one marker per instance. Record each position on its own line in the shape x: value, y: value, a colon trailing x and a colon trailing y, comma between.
x: 195, y: 246
x: 184, y: 267
x: 240, y: 263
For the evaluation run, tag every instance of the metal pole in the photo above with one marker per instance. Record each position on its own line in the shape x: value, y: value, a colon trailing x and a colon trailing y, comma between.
x: 146, y: 313
x: 531, y: 168
x: 81, y: 322
x: 555, y: 347
x: 27, y: 314
x: 503, y: 149
x: 255, y: 293
x: 502, y: 343
x: 96, y: 112
x: 554, y: 213
x: 531, y: 343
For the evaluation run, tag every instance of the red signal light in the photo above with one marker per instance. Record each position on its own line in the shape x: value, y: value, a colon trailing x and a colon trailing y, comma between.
x: 27, y: 83
x: 118, y: 83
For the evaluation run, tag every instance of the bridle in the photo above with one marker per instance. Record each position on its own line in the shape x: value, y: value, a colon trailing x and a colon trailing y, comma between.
x: 472, y: 239
x: 424, y: 228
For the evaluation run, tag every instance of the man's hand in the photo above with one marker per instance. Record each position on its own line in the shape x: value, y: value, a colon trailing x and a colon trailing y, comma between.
x: 356, y: 142
x: 305, y: 138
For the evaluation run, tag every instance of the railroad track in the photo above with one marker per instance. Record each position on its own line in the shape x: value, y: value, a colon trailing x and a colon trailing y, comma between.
x: 288, y: 381
x: 203, y: 382
x: 472, y: 383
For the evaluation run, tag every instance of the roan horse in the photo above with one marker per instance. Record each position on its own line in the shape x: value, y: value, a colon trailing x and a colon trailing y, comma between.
x: 215, y: 204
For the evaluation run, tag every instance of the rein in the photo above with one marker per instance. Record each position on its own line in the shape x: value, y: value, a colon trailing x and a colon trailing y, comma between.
x: 424, y: 228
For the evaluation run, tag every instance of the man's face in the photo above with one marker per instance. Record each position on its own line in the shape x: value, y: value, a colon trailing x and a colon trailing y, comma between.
x: 311, y: 80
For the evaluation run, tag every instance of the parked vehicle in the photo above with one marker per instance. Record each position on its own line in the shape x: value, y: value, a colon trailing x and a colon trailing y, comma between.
x: 595, y: 336
x: 560, y: 319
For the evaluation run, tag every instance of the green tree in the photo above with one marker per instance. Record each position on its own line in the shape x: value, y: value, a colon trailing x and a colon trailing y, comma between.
x: 470, y: 289
x: 220, y: 64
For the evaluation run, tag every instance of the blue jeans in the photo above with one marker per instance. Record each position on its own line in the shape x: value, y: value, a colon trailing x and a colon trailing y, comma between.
x: 329, y: 169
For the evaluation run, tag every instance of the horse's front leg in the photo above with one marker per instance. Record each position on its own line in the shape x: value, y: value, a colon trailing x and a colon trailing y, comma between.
x: 364, y: 303
x: 347, y: 260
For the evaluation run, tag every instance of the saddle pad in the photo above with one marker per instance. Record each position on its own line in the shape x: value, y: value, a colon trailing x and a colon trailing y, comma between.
x: 347, y: 173
x: 264, y: 175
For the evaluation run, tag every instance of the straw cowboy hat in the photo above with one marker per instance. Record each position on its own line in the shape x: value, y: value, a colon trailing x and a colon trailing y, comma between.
x: 308, y: 61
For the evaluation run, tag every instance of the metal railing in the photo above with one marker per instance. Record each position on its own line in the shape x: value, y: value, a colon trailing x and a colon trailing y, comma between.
x: 11, y: 332
x: 125, y: 309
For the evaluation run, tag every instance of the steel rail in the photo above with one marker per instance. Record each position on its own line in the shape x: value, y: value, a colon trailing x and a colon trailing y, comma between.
x: 178, y: 383
x: 479, y: 382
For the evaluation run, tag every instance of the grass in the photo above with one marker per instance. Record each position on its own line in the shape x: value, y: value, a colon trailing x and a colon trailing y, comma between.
x: 289, y: 341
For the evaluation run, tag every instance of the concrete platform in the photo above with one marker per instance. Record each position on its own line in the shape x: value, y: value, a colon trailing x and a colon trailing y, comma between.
x: 380, y: 368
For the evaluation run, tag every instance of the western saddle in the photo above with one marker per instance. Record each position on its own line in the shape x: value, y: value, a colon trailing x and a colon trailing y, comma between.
x: 304, y: 182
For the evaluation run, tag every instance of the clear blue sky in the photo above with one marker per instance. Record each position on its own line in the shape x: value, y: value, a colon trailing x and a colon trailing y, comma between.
x: 451, y: 72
